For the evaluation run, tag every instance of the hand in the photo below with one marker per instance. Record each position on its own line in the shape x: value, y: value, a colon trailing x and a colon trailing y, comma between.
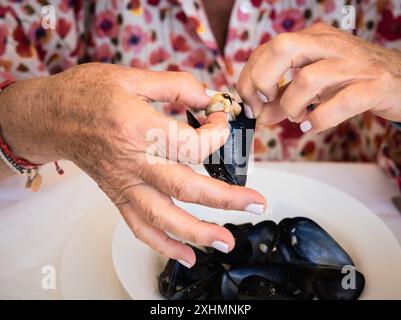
x: 339, y: 73
x: 98, y: 116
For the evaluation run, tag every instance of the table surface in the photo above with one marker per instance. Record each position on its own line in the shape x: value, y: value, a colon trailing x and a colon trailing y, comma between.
x: 30, y: 240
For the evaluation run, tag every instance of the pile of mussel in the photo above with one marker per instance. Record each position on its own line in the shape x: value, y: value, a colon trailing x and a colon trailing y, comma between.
x: 294, y: 259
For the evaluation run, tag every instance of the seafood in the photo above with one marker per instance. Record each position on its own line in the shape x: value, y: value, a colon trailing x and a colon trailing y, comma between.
x: 177, y: 282
x: 254, y: 244
x: 224, y: 102
x: 230, y: 162
x: 295, y: 259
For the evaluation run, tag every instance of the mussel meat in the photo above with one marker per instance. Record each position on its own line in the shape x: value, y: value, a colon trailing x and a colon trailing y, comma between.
x: 230, y: 162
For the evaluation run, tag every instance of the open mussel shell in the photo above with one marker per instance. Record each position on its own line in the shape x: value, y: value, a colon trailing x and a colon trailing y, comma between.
x: 242, y: 251
x: 295, y: 259
x: 304, y: 241
x: 230, y: 162
x: 263, y: 237
x: 287, y: 281
x: 326, y: 282
x: 202, y: 281
x: 253, y: 244
x: 263, y: 282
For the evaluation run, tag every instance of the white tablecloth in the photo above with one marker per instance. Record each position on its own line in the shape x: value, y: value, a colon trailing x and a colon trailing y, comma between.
x: 30, y: 240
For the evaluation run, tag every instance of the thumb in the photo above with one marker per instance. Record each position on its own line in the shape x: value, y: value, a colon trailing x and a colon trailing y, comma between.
x: 168, y: 86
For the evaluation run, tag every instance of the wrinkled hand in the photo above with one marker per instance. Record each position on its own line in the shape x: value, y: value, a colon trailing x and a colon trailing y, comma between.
x: 98, y: 116
x: 340, y: 73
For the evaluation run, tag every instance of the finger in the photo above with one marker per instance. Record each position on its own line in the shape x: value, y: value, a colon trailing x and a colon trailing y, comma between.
x: 157, y: 239
x: 312, y: 81
x: 168, y: 86
x: 181, y: 182
x: 160, y: 211
x: 249, y: 93
x: 282, y: 53
x: 175, y: 140
x: 272, y: 113
x: 347, y: 103
x: 286, y: 51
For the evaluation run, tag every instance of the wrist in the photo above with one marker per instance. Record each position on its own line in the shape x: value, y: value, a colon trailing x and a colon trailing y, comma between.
x: 24, y: 121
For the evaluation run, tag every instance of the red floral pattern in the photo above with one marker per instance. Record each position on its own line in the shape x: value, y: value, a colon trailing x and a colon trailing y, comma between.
x: 175, y: 35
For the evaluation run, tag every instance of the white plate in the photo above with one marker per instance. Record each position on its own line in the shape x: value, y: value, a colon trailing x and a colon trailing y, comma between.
x: 364, y: 236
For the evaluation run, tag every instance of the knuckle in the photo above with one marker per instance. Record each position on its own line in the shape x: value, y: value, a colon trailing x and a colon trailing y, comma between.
x: 226, y: 202
x: 256, y: 79
x: 305, y: 79
x: 154, y: 217
x: 283, y: 43
x: 206, y: 233
x: 181, y: 188
x: 319, y: 26
x: 192, y: 237
x: 197, y: 233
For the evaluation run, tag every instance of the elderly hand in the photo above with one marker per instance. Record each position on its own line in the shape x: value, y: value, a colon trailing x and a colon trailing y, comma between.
x: 98, y: 116
x: 340, y: 73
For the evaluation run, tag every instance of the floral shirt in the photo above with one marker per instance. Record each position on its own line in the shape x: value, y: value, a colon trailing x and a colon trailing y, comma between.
x: 175, y: 35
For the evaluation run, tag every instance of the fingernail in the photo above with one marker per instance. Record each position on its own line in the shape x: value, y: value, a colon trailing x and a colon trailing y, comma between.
x: 210, y: 92
x: 305, y: 126
x: 185, y: 264
x: 220, y: 245
x: 255, y: 208
x: 262, y: 97
x: 248, y: 111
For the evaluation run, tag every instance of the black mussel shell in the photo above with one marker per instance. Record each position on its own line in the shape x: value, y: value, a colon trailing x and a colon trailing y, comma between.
x: 230, y: 162
x: 263, y: 237
x: 264, y: 282
x: 242, y: 251
x: 253, y: 244
x: 326, y: 282
x: 245, y: 226
x: 303, y: 240
x: 295, y: 259
x: 202, y: 281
